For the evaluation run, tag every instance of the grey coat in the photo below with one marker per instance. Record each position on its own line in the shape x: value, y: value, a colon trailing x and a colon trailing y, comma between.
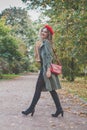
x: 46, y: 54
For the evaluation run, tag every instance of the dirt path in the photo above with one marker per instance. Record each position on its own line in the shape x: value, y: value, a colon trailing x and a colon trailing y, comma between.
x: 16, y: 95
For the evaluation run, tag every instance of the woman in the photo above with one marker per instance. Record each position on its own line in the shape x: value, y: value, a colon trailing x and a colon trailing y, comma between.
x: 46, y: 80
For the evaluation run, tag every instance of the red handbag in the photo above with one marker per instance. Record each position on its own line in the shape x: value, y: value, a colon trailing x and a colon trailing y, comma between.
x: 56, y: 69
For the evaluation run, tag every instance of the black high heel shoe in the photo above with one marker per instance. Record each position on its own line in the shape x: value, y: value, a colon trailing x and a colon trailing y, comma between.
x: 28, y: 111
x: 58, y: 113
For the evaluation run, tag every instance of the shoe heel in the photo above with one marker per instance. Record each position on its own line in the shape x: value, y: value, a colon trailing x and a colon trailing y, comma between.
x: 62, y: 113
x: 32, y: 113
x: 57, y: 114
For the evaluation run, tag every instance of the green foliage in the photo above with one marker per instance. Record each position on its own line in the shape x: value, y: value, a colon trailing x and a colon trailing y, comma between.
x: 21, y: 26
x: 17, y: 37
x: 9, y: 48
x: 69, y: 20
x: 11, y: 58
x: 4, y: 65
x: 33, y: 67
x: 9, y: 76
x: 4, y: 30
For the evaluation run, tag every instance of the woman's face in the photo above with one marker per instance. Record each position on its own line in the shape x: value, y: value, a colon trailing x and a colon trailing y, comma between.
x: 44, y: 33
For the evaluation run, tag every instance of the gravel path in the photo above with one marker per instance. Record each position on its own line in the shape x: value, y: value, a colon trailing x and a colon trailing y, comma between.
x: 16, y: 95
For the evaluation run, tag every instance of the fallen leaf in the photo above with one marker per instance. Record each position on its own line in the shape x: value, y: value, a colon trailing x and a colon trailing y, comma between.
x: 83, y: 114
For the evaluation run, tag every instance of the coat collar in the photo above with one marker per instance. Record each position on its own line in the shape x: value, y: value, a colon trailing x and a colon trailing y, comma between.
x: 43, y: 43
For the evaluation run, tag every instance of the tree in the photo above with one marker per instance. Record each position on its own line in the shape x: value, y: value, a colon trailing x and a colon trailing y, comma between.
x: 21, y: 25
x: 10, y: 50
x: 68, y: 19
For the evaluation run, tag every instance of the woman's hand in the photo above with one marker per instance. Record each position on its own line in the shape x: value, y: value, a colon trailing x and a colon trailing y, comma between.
x: 48, y: 73
x: 37, y: 60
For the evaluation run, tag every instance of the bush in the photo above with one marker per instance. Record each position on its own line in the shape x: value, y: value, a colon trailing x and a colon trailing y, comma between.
x: 4, y: 66
x: 33, y: 67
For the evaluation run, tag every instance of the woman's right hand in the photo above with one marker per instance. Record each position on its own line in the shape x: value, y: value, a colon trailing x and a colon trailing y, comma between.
x: 48, y: 73
x: 37, y: 60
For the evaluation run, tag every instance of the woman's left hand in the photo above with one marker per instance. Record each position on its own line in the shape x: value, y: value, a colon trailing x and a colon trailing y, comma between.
x: 48, y: 73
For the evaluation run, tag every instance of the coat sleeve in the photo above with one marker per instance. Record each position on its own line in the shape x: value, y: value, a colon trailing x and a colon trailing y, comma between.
x: 48, y: 53
x: 36, y: 52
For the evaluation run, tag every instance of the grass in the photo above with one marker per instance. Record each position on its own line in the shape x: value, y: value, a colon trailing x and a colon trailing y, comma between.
x: 8, y: 76
x: 78, y: 87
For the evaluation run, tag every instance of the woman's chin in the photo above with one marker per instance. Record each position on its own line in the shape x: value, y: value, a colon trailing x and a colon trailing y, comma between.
x: 43, y: 37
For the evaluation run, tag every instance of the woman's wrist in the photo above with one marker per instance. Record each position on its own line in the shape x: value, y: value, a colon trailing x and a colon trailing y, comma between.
x: 48, y: 69
x: 48, y: 73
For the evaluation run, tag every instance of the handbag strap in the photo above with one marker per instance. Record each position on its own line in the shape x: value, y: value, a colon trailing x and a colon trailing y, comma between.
x: 56, y: 56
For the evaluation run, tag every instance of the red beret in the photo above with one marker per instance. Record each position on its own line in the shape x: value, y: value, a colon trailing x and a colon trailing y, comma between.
x: 50, y: 29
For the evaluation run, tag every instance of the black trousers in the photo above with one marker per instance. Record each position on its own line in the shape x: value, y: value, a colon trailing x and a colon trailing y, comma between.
x: 39, y: 87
